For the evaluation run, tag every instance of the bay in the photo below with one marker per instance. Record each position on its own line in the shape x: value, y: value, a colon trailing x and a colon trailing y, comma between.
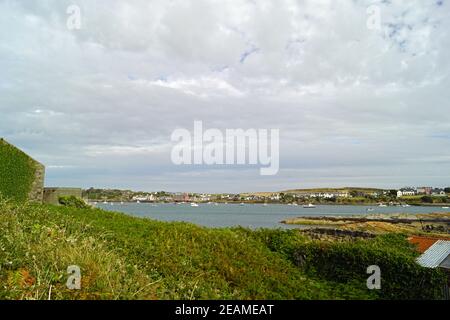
x: 249, y: 215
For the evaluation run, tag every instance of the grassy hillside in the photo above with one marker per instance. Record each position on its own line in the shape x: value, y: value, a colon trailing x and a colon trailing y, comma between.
x: 345, y: 189
x: 123, y: 257
x: 16, y: 172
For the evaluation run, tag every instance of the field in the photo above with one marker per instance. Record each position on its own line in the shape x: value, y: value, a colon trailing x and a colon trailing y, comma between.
x: 123, y: 257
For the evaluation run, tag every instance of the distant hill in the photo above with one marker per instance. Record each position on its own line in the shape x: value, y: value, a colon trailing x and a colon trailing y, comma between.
x: 315, y: 190
x: 345, y: 189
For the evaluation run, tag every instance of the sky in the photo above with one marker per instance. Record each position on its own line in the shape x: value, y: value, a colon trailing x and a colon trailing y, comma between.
x: 359, y: 90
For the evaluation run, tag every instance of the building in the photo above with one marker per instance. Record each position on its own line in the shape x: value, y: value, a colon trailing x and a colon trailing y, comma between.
x: 401, y: 193
x: 438, y: 192
x: 181, y: 197
x: 275, y: 197
x: 406, y: 192
x: 144, y: 198
x: 436, y: 256
x: 435, y: 253
x: 325, y: 195
x: 424, y: 243
x: 21, y: 177
x: 424, y: 190
x: 52, y: 195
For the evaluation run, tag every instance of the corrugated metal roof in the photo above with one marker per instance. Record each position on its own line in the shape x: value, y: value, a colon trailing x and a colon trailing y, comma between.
x: 434, y: 256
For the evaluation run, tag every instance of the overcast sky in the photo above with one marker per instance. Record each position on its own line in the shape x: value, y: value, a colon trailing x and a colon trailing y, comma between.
x: 355, y: 106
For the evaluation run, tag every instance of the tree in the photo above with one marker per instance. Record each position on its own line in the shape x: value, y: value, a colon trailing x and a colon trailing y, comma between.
x: 354, y: 193
x: 447, y: 190
x: 427, y: 199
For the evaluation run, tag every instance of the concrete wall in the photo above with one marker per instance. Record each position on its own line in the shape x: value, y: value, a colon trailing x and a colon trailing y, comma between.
x: 51, y: 195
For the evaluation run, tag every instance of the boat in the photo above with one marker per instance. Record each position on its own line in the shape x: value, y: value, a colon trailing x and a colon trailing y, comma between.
x: 138, y: 201
x: 265, y: 204
x: 445, y: 208
x: 382, y: 205
x: 309, y: 206
x: 193, y: 204
x: 295, y: 204
x: 242, y: 204
x: 370, y: 209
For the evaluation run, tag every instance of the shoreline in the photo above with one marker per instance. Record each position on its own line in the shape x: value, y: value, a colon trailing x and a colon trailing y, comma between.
x: 375, y: 205
x: 431, y: 224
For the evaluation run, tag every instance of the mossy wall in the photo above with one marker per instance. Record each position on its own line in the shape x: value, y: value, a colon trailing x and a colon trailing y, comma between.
x: 21, y: 177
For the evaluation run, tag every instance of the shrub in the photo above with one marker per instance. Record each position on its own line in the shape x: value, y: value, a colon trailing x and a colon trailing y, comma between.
x: 402, y: 277
x: 347, y: 262
x: 426, y: 199
x: 72, y: 201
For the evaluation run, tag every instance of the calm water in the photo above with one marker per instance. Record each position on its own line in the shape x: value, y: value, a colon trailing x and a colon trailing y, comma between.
x: 248, y: 215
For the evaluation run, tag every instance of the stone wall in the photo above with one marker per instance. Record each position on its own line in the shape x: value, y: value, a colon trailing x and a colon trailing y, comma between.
x: 336, y: 234
x: 51, y: 195
x: 37, y: 187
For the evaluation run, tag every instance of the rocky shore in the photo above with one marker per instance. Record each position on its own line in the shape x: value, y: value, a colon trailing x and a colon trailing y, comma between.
x: 434, y: 223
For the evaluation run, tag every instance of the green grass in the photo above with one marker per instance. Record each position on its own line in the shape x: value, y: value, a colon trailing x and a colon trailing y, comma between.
x: 16, y: 172
x: 123, y: 257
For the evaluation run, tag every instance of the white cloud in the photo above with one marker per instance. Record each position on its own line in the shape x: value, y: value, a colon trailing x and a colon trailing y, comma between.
x: 109, y: 95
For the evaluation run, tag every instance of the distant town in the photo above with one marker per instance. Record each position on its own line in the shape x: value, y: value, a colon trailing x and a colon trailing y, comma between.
x: 351, y: 195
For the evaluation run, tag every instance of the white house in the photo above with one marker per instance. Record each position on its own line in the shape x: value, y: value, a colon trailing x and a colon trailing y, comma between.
x: 405, y: 192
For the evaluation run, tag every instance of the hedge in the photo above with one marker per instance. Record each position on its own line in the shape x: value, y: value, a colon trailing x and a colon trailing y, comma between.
x: 401, y: 276
x: 17, y: 172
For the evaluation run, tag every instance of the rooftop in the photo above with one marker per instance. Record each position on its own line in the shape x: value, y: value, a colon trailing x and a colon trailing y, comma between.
x: 424, y: 243
x: 435, y: 255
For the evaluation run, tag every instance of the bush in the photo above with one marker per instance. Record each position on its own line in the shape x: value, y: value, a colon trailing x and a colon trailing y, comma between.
x: 402, y: 277
x: 426, y: 199
x: 72, y: 201
x: 347, y: 262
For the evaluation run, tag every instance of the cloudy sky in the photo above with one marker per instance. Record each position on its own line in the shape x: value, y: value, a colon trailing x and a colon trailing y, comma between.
x: 355, y: 104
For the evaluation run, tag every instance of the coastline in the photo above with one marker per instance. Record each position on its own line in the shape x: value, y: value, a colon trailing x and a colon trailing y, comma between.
x: 432, y: 224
